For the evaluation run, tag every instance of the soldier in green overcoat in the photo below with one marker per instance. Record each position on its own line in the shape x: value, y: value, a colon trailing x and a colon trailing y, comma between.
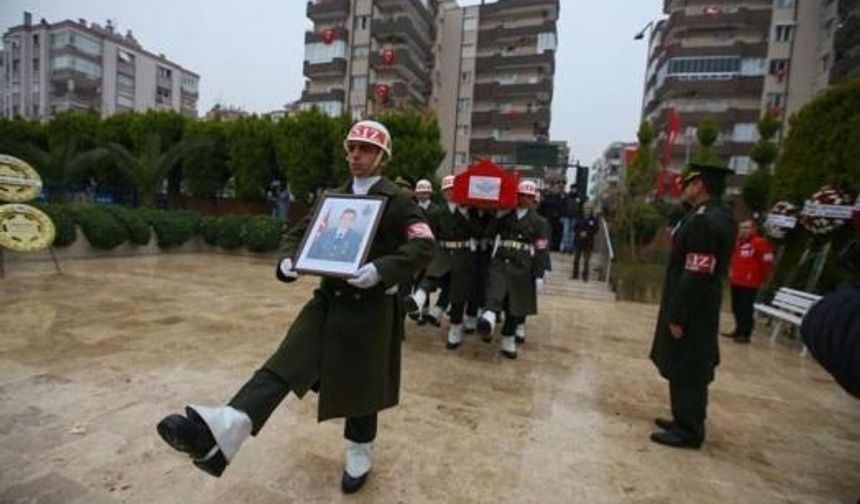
x: 454, y: 263
x: 516, y: 271
x: 345, y: 342
x: 685, y: 348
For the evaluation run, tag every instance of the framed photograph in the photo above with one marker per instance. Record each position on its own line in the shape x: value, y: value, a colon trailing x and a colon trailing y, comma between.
x: 338, y: 238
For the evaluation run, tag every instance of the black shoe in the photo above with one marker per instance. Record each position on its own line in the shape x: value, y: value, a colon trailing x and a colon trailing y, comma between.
x: 189, y: 434
x: 350, y: 485
x: 430, y: 319
x: 509, y: 355
x: 744, y: 340
x: 520, y: 340
x: 421, y: 321
x: 452, y: 346
x: 470, y: 330
x: 410, y: 306
x: 485, y: 329
x: 664, y: 423
x: 414, y: 316
x: 674, y: 439
x: 729, y: 334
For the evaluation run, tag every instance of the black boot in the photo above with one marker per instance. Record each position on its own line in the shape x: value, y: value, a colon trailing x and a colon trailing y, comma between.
x: 350, y: 485
x: 676, y: 439
x: 664, y: 423
x: 189, y: 434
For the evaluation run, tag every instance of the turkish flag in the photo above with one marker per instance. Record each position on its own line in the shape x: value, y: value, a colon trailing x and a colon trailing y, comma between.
x: 673, y: 127
x: 328, y: 36
x: 387, y: 55
x: 382, y: 91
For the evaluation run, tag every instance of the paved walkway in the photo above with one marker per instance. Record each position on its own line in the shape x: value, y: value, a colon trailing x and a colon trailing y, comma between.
x: 90, y: 360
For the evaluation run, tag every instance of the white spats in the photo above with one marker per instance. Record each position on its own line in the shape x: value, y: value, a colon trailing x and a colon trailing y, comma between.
x: 509, y: 345
x: 521, y: 331
x: 437, y: 312
x: 470, y: 323
x: 455, y: 334
x: 420, y: 297
x: 230, y: 427
x: 490, y: 316
x: 359, y: 459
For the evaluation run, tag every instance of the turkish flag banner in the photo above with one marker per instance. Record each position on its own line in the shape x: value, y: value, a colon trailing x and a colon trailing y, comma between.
x: 486, y: 185
x: 382, y: 91
x: 328, y: 36
x: 387, y: 55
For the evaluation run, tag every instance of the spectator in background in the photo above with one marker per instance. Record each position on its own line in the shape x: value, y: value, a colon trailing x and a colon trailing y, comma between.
x: 586, y: 228
x: 551, y: 208
x: 752, y: 263
x: 279, y: 200
x: 571, y: 213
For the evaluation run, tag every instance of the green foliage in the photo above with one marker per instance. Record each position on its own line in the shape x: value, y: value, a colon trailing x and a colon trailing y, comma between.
x: 137, y: 228
x: 636, y: 223
x: 230, y: 232
x: 642, y: 171
x: 707, y: 133
x: 262, y: 233
x: 64, y: 225
x: 416, y: 148
x: 251, y: 155
x: 102, y: 229
x: 206, y: 169
x: 756, y: 190
x: 209, y: 227
x: 768, y: 125
x: 306, y: 146
x: 822, y: 146
x: 172, y: 228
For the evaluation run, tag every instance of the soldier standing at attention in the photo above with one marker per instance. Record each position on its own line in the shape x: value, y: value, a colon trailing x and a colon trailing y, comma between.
x: 516, y: 274
x: 345, y: 342
x: 685, y: 348
x: 453, y: 265
x: 424, y: 195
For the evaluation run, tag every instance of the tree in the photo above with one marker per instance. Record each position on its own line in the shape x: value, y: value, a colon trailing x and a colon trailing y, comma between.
x: 308, y: 151
x: 634, y: 218
x: 757, y: 187
x: 250, y: 147
x: 149, y: 164
x: 641, y: 172
x: 707, y: 133
x: 206, y: 170
x: 416, y: 148
x: 822, y: 145
x: 60, y: 165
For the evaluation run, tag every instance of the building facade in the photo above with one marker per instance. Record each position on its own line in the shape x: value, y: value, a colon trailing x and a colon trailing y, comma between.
x: 608, y: 175
x: 846, y: 42
x: 363, y: 56
x: 485, y: 70
x: 708, y: 59
x: 48, y: 68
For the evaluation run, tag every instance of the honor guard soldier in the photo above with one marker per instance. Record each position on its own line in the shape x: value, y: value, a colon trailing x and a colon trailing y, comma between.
x: 453, y: 264
x: 345, y: 342
x: 543, y: 261
x: 516, y: 275
x: 424, y: 196
x: 685, y: 348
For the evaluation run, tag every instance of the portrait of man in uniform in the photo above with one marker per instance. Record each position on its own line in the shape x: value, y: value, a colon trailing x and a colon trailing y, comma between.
x: 338, y: 244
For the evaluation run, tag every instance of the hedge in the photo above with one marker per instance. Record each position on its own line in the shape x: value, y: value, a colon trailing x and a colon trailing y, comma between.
x: 262, y: 233
x: 209, y: 230
x: 101, y: 228
x: 172, y: 228
x: 230, y: 232
x: 63, y: 223
x: 135, y: 225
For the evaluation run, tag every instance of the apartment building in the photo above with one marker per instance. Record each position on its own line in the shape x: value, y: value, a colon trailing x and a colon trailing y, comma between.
x: 709, y: 59
x: 47, y: 67
x: 363, y: 56
x: 846, y: 41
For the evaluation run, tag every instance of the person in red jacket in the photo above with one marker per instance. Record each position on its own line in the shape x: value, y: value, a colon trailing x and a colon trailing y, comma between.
x: 752, y: 262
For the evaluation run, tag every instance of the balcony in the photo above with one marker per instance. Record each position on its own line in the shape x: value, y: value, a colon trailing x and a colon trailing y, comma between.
x: 545, y: 61
x: 80, y: 80
x: 393, y: 30
x: 743, y: 18
x: 333, y: 68
x: 500, y: 33
x: 416, y: 6
x: 403, y: 60
x: 334, y: 94
x: 491, y: 91
x: 340, y: 33
x: 539, y: 117
x: 327, y: 10
x: 742, y: 49
x: 723, y: 119
x: 401, y: 93
x: 479, y: 147
x: 749, y: 87
x: 511, y: 7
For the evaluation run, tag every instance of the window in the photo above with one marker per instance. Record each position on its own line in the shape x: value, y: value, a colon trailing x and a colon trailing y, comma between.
x: 753, y: 66
x: 61, y: 39
x: 783, y: 33
x: 92, y: 70
x: 357, y: 113
x: 189, y: 83
x: 546, y: 42
x: 360, y: 51
x: 470, y: 24
x: 125, y: 56
x: 461, y: 158
x: 162, y: 95
x: 825, y: 63
x: 463, y: 129
x: 742, y: 165
x: 778, y: 67
x: 463, y: 105
x: 466, y: 77
x: 35, y: 39
x: 784, y: 4
x: 363, y: 22
x: 164, y: 73
x: 711, y: 65
x: 359, y: 83
x: 468, y: 50
x: 125, y: 101
x: 775, y: 100
x: 745, y: 132
x: 325, y: 53
x: 35, y: 64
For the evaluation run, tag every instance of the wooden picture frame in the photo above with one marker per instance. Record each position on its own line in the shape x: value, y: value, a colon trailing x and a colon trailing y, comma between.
x: 340, y: 234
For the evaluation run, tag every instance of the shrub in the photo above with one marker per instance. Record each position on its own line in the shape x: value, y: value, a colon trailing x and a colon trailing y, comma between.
x: 209, y: 227
x: 230, y: 232
x: 63, y: 223
x: 172, y: 228
x: 262, y: 233
x: 100, y: 227
x: 138, y: 229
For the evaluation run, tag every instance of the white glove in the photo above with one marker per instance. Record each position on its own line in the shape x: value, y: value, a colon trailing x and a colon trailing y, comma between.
x: 502, y: 213
x: 366, y: 277
x: 288, y: 274
x: 539, y: 282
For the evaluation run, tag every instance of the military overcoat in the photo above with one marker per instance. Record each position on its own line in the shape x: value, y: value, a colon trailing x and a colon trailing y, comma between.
x: 345, y: 342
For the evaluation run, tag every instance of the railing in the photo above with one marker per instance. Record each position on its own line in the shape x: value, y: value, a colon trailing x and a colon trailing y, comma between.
x: 610, y: 251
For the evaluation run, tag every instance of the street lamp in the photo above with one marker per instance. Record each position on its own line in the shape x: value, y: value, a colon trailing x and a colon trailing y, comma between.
x: 641, y: 34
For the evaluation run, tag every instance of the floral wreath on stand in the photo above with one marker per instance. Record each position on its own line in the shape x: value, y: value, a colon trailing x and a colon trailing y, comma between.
x: 818, y: 225
x: 777, y: 230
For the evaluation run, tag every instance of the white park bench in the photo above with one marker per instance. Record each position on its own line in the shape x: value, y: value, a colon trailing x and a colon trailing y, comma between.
x: 788, y: 306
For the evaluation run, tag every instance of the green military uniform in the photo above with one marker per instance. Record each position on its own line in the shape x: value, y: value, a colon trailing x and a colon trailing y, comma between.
x: 346, y: 340
x: 692, y: 293
x: 515, y: 264
x: 455, y: 257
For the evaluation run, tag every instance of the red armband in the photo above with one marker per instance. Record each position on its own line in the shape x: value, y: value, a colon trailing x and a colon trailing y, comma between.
x: 700, y: 263
x: 419, y: 231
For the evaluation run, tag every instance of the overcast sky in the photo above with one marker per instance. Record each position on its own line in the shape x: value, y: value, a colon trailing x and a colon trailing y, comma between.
x: 249, y: 53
